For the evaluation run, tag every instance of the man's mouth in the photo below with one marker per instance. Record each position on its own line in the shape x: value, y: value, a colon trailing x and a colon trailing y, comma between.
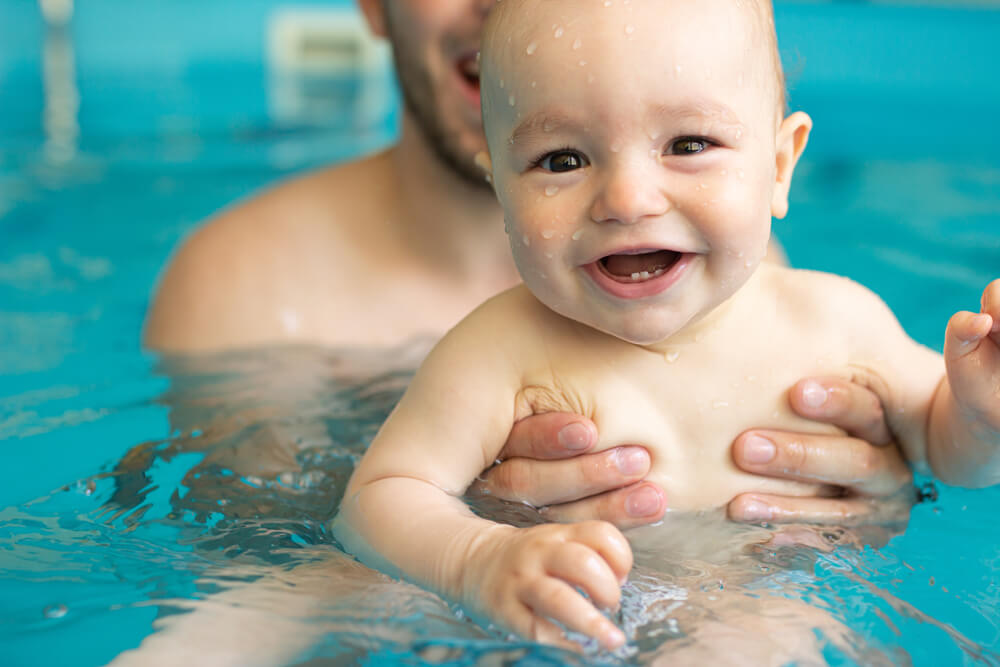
x: 468, y: 69
x: 638, y: 266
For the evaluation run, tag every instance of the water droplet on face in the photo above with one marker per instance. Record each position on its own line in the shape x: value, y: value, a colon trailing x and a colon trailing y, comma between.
x: 740, y: 173
x: 583, y: 63
x: 720, y: 404
x: 629, y: 29
x: 672, y: 356
x: 558, y: 33
x: 677, y: 71
x: 547, y: 234
x: 590, y: 78
x: 525, y: 240
x: 551, y: 190
x: 724, y: 172
x: 607, y: 3
x: 510, y: 101
x: 501, y: 83
x: 55, y: 611
x: 751, y: 378
x: 531, y: 48
x: 577, y: 235
x: 533, y: 84
x: 739, y: 133
x: 615, y: 147
x: 577, y: 43
x: 548, y: 255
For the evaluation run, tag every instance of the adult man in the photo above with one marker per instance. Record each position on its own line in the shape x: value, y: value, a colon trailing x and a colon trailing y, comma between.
x: 406, y: 242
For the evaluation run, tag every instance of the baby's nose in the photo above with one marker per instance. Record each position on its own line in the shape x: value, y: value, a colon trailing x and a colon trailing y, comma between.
x: 628, y: 196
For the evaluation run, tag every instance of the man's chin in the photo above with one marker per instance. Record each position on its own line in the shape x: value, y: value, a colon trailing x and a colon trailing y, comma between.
x: 462, y: 162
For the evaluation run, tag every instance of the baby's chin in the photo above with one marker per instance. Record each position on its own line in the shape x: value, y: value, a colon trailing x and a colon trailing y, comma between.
x: 634, y: 328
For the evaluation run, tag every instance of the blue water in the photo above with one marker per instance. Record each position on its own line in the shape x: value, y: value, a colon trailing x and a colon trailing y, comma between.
x: 899, y: 189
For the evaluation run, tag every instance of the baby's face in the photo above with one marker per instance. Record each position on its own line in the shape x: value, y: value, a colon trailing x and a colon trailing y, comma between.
x: 633, y: 150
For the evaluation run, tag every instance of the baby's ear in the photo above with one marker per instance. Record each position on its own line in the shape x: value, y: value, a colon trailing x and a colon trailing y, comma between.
x: 793, y: 135
x: 483, y: 161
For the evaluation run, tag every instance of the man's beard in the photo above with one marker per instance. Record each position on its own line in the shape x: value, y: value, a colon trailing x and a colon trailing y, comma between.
x: 419, y: 97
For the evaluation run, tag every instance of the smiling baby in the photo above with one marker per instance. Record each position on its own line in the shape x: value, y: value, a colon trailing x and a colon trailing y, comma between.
x: 640, y: 150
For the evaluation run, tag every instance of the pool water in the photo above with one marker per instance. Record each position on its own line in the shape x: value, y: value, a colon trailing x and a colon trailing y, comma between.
x: 141, y: 491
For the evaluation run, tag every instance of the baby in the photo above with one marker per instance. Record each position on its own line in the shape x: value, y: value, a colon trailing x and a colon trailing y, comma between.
x: 639, y: 150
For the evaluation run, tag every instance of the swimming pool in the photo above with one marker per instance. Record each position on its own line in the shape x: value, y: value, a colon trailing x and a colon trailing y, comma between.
x: 900, y: 189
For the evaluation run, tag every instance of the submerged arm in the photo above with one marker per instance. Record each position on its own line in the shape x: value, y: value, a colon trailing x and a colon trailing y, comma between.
x: 402, y: 511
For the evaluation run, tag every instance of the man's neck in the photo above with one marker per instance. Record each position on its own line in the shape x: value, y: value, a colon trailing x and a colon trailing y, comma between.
x: 453, y: 223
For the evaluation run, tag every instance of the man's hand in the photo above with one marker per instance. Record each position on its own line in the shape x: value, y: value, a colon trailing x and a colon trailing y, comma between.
x: 866, y: 463
x: 546, y: 463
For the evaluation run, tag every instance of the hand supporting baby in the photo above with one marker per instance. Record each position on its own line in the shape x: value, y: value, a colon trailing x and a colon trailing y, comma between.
x: 546, y: 462
x: 529, y: 579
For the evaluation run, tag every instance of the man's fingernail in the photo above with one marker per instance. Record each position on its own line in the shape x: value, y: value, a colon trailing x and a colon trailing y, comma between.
x: 574, y: 436
x: 642, y: 502
x: 631, y: 460
x: 614, y: 638
x: 755, y: 509
x: 758, y: 449
x: 814, y: 394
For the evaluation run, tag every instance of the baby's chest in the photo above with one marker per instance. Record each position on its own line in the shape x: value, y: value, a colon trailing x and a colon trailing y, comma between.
x: 688, y: 411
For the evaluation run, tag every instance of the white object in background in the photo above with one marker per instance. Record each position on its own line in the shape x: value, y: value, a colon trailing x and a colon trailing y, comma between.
x: 310, y: 50
x: 56, y: 12
x: 323, y: 40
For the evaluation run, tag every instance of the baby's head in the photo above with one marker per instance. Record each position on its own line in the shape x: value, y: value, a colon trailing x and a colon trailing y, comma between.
x: 639, y: 150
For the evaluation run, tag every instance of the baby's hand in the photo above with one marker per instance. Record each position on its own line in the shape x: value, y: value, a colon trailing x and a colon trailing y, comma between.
x: 532, y: 577
x: 972, y: 356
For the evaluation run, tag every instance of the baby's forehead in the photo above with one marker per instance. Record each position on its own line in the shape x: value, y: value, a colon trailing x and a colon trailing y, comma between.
x: 518, y: 29
x: 525, y: 40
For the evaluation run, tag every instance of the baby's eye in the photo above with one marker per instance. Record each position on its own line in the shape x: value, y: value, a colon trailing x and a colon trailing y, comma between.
x: 561, y: 161
x: 688, y: 146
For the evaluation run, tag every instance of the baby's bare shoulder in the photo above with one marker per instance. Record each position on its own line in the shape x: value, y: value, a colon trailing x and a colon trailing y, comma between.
x: 821, y: 294
x: 511, y: 316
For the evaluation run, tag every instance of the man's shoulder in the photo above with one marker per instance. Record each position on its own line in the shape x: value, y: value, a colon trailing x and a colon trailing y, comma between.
x: 323, y: 196
x: 223, y: 284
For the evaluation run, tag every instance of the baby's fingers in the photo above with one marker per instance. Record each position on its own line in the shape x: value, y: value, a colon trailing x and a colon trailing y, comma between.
x: 964, y: 334
x: 527, y: 623
x: 580, y: 567
x: 991, y: 306
x: 609, y: 543
x: 558, y: 600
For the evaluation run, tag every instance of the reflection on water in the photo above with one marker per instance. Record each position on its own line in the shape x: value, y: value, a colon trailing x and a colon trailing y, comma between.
x: 221, y: 531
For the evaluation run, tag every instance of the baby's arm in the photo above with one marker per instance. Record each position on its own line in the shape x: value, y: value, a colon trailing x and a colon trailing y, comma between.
x: 402, y: 511
x: 964, y: 428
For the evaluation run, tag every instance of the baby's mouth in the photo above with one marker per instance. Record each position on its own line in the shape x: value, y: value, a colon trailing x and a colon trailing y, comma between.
x: 638, y: 266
